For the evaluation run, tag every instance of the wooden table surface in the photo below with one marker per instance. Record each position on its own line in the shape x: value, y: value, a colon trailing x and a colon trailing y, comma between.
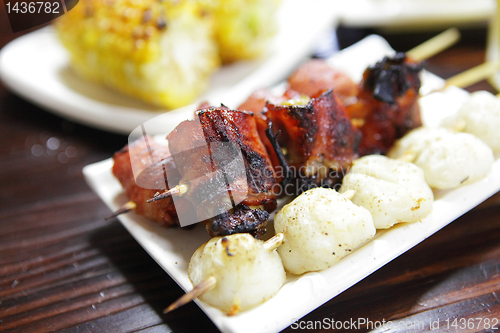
x: 63, y: 268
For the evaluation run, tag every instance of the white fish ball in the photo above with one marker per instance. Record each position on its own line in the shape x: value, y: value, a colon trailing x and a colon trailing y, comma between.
x: 392, y: 191
x: 448, y: 159
x: 247, y: 273
x: 320, y: 227
x: 481, y: 116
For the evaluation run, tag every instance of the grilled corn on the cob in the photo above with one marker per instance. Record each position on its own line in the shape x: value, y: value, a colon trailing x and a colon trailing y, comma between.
x: 243, y: 27
x: 162, y: 52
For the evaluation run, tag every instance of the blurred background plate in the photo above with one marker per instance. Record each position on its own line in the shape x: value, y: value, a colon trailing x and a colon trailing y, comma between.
x: 415, y: 14
x: 36, y: 67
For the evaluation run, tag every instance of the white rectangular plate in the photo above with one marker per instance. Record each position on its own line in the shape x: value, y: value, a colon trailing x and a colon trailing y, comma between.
x: 36, y: 67
x: 172, y: 248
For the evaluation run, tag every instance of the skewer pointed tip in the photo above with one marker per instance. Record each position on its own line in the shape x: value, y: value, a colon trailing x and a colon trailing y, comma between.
x: 460, y: 126
x: 197, y: 291
x: 408, y: 156
x: 127, y: 207
x: 349, y: 194
x: 177, y: 190
x: 274, y: 242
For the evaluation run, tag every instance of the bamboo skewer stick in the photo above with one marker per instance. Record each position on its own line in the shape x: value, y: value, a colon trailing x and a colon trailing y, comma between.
x: 443, y: 41
x: 273, y: 242
x: 349, y: 194
x: 127, y: 207
x: 197, y: 291
x: 435, y: 45
x: 473, y: 75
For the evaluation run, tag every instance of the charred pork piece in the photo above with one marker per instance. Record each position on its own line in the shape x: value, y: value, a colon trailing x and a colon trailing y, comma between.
x: 225, y: 170
x: 256, y: 103
x: 141, y: 168
x: 318, y: 140
x: 387, y: 105
x: 241, y: 219
x: 315, y: 77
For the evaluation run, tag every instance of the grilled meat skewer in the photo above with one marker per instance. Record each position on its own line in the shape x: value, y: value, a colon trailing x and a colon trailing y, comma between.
x: 231, y: 178
x: 218, y: 159
x: 387, y: 103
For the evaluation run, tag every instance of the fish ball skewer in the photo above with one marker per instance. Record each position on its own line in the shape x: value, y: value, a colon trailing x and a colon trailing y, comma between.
x: 392, y: 191
x: 239, y: 272
x: 320, y: 227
